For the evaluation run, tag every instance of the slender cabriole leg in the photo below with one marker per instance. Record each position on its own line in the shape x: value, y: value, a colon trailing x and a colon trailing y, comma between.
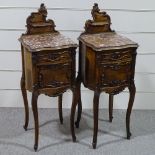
x: 132, y: 91
x: 73, y: 109
x: 35, y: 113
x: 60, y: 108
x: 110, y: 107
x: 95, y: 111
x: 79, y: 105
x: 24, y: 94
x: 78, y: 114
x: 79, y: 79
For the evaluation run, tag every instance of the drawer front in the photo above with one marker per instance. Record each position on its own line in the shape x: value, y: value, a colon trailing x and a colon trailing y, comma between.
x: 112, y: 75
x: 115, y: 57
x: 52, y: 57
x: 55, y: 75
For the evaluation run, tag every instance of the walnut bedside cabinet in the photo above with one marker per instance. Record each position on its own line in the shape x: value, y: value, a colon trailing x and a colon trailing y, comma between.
x: 48, y: 64
x: 106, y: 64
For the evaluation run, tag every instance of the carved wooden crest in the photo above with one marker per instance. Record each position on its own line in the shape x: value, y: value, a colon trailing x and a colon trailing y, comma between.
x: 101, y: 21
x: 37, y: 23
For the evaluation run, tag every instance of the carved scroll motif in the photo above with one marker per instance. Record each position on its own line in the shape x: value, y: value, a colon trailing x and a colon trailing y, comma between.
x: 52, y: 58
x: 100, y: 23
x: 37, y: 23
x: 115, y: 90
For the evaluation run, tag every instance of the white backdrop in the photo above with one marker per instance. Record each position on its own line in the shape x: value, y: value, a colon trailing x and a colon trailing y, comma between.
x: 132, y: 18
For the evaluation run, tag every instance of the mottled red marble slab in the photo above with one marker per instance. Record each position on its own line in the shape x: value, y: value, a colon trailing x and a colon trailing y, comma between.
x: 106, y: 41
x: 51, y: 41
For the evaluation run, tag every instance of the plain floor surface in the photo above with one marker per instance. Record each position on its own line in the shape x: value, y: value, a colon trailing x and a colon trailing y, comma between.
x: 55, y: 139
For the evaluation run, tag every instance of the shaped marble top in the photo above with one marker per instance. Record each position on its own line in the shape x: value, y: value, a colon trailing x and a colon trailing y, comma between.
x: 46, y: 41
x: 106, y: 41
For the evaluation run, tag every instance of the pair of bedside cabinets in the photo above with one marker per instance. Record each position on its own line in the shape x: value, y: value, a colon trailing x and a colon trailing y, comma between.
x: 106, y: 64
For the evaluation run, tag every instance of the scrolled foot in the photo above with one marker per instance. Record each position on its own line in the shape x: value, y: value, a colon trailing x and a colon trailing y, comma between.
x: 61, y: 121
x: 94, y: 145
x: 77, y: 124
x: 110, y: 120
x: 25, y: 128
x: 129, y: 135
x: 74, y: 139
x: 35, y: 147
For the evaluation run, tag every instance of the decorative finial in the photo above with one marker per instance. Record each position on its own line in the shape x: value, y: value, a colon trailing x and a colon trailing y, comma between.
x: 95, y: 9
x: 100, y: 23
x: 39, y: 18
x: 43, y: 9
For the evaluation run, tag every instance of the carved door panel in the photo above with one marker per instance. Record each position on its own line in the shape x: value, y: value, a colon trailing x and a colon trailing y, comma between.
x: 115, y: 67
x: 112, y: 75
x: 54, y: 76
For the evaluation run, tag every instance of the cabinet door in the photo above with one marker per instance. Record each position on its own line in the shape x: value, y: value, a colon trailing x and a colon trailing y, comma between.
x: 115, y: 75
x: 54, y: 75
x: 115, y: 68
x: 54, y: 68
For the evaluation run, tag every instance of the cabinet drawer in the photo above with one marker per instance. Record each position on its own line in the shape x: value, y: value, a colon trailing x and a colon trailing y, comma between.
x: 115, y: 75
x: 54, y: 75
x: 52, y: 57
x: 115, y: 57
